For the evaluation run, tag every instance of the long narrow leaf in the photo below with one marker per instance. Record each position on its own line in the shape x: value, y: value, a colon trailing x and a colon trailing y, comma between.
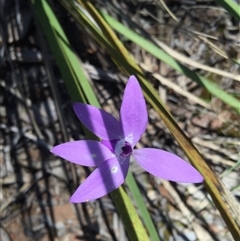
x: 79, y: 89
x: 67, y: 61
x: 231, y: 6
x: 160, y: 54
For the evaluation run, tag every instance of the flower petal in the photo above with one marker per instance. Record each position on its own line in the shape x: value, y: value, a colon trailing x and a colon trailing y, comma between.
x: 166, y: 165
x: 85, y: 153
x: 106, y: 178
x: 99, y: 122
x: 133, y: 113
x: 110, y: 144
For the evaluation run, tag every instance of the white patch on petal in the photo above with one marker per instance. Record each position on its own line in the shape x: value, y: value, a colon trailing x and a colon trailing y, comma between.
x: 118, y: 147
x: 114, y: 169
x: 93, y: 156
x: 129, y: 138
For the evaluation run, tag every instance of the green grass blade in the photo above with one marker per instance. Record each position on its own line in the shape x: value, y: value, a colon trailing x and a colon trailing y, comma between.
x: 67, y: 61
x: 131, y: 182
x: 80, y: 90
x: 131, y: 221
x: 231, y: 6
x: 160, y: 54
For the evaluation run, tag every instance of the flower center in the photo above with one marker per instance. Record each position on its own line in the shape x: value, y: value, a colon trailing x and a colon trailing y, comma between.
x: 119, y: 147
x: 126, y: 149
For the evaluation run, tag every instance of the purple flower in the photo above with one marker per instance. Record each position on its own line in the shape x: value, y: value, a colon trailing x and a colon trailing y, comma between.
x: 112, y: 154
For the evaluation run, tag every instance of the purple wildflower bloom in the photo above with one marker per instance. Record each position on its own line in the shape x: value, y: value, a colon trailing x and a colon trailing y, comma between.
x: 112, y: 154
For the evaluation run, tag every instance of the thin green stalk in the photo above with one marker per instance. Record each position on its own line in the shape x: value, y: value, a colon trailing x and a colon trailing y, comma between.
x: 80, y: 90
x: 131, y: 182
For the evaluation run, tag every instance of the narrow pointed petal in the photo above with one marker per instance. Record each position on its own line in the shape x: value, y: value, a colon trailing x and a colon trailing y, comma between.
x: 85, y: 153
x: 106, y: 178
x: 99, y: 122
x: 167, y: 166
x: 133, y: 113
